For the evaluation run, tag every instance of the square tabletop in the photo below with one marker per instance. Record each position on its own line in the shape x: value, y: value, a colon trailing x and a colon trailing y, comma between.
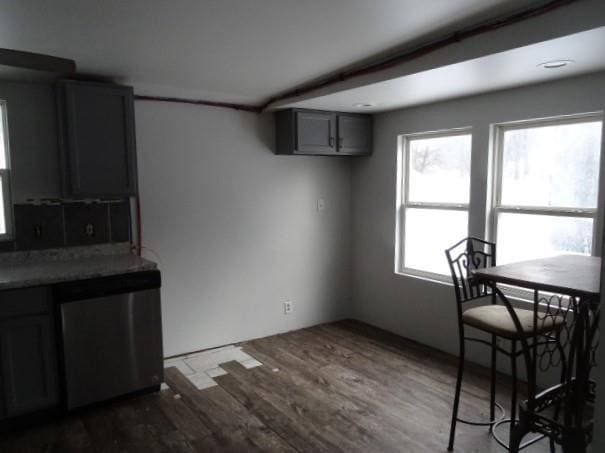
x: 573, y: 275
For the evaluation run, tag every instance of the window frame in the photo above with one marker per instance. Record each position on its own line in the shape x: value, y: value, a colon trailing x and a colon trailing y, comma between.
x: 495, y: 183
x: 5, y: 174
x: 403, y: 203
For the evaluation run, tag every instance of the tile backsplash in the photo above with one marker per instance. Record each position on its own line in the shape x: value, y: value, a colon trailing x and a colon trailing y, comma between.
x: 39, y: 227
x: 68, y: 224
x: 86, y: 224
x: 119, y: 216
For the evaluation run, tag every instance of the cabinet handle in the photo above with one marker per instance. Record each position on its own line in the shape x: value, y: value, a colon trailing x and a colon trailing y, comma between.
x: 331, y: 141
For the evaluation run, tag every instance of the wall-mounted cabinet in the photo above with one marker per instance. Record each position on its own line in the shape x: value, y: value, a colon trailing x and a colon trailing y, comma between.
x: 315, y: 132
x: 97, y: 139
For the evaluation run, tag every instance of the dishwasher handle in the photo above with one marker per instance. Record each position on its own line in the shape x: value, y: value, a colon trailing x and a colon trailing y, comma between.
x: 106, y: 286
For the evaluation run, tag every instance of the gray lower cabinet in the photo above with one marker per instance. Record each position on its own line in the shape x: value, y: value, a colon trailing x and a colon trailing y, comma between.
x: 97, y: 139
x: 28, y: 362
x: 316, y: 132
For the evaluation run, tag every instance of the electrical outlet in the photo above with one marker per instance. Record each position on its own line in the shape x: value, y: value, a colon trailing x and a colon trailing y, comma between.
x: 288, y: 307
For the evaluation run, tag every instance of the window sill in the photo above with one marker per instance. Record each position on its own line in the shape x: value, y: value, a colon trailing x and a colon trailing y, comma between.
x: 426, y: 276
x: 518, y: 295
x: 521, y: 297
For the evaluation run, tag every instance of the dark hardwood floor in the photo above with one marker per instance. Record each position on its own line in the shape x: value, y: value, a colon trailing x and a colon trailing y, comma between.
x: 344, y: 386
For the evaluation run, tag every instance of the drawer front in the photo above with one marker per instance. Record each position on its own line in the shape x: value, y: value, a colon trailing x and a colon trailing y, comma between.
x: 24, y: 301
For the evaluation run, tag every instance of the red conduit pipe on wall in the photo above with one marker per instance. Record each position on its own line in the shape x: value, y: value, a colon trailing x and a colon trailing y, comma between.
x: 139, y: 244
x: 382, y: 65
x: 229, y: 105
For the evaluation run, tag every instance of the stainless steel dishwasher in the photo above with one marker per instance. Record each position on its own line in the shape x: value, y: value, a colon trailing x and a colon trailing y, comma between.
x: 111, y: 336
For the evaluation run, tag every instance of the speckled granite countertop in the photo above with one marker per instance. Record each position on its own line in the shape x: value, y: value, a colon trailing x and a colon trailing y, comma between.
x: 19, y: 270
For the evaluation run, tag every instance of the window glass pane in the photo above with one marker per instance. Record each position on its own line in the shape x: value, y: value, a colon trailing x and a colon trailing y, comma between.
x: 439, y: 169
x: 2, y: 138
x: 428, y: 232
x: 555, y: 165
x: 531, y: 236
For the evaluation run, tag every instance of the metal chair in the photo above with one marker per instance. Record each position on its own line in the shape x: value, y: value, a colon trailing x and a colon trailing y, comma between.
x: 497, y: 320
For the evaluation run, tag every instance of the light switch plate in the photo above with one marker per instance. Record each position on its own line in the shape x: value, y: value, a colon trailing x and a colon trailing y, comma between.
x: 321, y: 204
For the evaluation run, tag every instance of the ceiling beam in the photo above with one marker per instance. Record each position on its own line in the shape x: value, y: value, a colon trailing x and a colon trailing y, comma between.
x: 408, y: 60
x: 36, y: 61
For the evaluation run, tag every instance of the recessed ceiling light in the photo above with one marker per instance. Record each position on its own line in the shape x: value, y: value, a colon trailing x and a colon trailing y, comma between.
x: 363, y: 105
x: 555, y: 64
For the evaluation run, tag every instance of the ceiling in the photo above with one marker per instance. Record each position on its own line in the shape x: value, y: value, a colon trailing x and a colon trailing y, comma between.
x: 232, y: 50
x: 493, y: 72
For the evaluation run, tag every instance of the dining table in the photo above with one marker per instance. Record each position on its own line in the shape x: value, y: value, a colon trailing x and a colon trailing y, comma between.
x: 567, y: 287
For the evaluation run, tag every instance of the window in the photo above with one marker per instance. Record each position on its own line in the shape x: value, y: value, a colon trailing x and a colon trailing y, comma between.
x: 5, y: 205
x: 433, y: 199
x: 546, y: 188
x: 542, y: 197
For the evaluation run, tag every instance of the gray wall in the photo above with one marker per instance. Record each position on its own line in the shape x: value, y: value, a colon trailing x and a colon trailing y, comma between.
x: 420, y: 309
x: 33, y: 139
x: 415, y: 308
x: 236, y: 228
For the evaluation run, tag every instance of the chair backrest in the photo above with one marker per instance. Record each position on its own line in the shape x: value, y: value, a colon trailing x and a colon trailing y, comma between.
x: 465, y: 256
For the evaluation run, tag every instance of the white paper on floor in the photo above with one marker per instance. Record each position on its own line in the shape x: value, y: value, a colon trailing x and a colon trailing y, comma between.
x: 201, y: 367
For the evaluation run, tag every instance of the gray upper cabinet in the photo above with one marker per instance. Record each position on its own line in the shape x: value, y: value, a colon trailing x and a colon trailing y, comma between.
x: 97, y: 138
x: 28, y: 363
x: 354, y: 134
x: 315, y: 132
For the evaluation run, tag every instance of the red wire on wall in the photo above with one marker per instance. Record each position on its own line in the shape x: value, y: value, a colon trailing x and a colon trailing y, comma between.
x: 229, y: 105
x: 139, y: 244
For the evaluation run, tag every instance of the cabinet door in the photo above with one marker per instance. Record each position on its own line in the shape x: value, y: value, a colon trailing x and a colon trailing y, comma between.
x: 28, y: 361
x: 98, y: 141
x: 315, y: 132
x: 354, y: 134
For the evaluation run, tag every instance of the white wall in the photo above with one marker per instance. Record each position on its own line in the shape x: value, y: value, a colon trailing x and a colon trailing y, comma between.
x: 236, y: 227
x: 414, y: 308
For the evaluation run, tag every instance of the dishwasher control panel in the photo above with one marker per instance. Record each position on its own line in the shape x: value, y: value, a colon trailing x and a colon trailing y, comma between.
x: 106, y: 286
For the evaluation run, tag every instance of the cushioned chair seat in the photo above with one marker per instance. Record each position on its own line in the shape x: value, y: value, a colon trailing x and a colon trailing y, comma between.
x: 497, y: 320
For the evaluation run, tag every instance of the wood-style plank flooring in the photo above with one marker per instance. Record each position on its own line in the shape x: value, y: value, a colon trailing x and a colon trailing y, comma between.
x: 343, y: 386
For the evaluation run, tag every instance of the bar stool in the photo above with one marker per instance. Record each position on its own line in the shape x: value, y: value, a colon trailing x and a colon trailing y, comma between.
x: 492, y: 318
x: 574, y: 396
